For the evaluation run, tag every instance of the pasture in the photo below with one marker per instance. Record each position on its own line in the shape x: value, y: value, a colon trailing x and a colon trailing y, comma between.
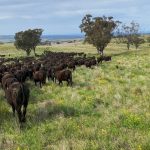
x: 107, y: 108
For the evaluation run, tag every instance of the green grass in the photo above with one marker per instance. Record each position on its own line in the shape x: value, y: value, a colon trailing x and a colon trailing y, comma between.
x: 107, y: 108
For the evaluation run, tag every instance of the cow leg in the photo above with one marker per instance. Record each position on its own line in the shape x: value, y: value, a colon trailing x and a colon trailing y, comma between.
x: 40, y: 84
x: 59, y: 82
x: 55, y: 80
x: 44, y: 82
x: 35, y: 83
x: 68, y: 82
x: 19, y: 114
x: 13, y: 109
x: 24, y: 113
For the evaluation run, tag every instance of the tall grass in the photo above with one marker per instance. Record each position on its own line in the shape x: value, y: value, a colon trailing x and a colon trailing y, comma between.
x: 107, y: 107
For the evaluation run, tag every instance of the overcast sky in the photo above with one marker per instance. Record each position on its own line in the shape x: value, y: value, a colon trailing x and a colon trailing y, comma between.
x: 64, y: 16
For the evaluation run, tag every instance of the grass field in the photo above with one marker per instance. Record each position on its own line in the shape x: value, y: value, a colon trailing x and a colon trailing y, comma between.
x: 106, y: 109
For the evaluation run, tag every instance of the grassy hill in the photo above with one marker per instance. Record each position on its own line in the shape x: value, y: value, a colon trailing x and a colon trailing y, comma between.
x: 107, y: 108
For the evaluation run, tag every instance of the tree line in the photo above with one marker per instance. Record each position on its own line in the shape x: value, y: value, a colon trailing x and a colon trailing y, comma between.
x: 98, y: 31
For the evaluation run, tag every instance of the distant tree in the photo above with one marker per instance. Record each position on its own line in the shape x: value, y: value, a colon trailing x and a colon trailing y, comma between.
x: 137, y: 41
x: 129, y: 34
x: 1, y: 43
x: 148, y: 40
x: 98, y: 31
x: 28, y: 40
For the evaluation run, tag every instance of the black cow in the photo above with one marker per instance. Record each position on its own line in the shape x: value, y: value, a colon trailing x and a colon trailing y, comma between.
x: 17, y: 95
x: 39, y: 76
x: 64, y: 75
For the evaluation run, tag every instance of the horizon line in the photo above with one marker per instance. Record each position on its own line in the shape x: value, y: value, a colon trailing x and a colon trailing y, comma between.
x: 77, y: 34
x: 44, y: 34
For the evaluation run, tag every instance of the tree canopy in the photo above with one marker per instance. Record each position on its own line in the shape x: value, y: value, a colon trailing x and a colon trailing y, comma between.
x: 28, y: 40
x: 98, y: 31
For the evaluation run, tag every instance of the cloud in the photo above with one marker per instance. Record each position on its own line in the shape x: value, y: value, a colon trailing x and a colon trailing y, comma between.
x: 5, y: 17
x: 64, y: 16
x: 27, y: 17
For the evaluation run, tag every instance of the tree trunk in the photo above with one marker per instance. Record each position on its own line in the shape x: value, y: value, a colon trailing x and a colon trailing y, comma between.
x: 101, y: 51
x: 98, y: 51
x: 128, y: 46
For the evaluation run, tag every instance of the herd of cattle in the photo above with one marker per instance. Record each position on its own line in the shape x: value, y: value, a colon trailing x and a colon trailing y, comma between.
x: 50, y: 65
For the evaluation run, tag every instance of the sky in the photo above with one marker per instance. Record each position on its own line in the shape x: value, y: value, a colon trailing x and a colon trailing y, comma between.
x: 59, y: 17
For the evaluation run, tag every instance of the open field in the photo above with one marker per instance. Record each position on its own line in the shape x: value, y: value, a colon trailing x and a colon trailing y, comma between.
x: 107, y: 108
